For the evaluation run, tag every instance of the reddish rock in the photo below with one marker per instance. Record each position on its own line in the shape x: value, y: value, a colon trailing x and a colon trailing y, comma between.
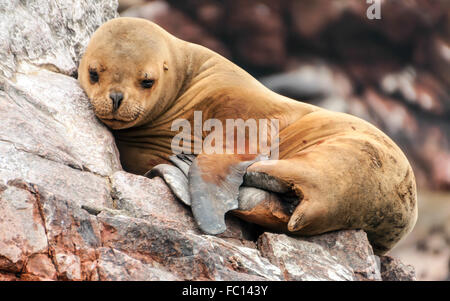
x: 310, y: 80
x: 435, y: 150
x: 125, y: 4
x: 176, y: 23
x: 184, y: 253
x: 258, y: 32
x: 210, y: 14
x: 353, y: 249
x: 22, y: 232
x: 310, y: 18
x: 393, y: 115
x: 418, y: 88
x: 114, y: 265
x: 402, y: 20
x: 439, y: 54
x: 254, y: 30
x: 394, y: 270
x: 8, y: 277
x: 39, y: 267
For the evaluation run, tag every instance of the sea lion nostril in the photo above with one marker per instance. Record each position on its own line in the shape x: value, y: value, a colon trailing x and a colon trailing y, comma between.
x: 116, y: 98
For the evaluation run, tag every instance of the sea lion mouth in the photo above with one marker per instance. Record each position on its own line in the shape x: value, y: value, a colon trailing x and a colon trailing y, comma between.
x: 116, y: 123
x: 113, y: 117
x: 115, y: 120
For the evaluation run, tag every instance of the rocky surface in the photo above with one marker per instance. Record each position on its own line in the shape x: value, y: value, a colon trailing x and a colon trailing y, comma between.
x: 310, y: 258
x: 393, y: 270
x: 48, y: 34
x: 69, y: 212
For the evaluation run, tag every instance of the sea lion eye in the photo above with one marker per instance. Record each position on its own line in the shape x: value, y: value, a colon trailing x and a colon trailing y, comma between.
x: 147, y: 83
x: 93, y: 75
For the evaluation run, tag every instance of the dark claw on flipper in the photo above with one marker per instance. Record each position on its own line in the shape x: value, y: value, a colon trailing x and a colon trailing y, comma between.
x: 214, y: 193
x: 265, y: 208
x: 175, y: 179
x: 266, y: 182
x: 250, y: 197
x: 269, y: 183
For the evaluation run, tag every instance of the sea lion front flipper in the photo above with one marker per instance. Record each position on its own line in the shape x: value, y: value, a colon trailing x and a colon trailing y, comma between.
x: 175, y: 178
x: 214, y: 182
x: 183, y: 162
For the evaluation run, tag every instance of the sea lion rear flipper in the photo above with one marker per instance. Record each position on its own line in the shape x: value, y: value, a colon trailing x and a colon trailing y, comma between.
x: 264, y: 208
x: 294, y: 180
x: 214, y: 182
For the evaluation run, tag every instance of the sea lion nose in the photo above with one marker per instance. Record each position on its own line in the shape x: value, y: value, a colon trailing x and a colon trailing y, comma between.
x: 116, y: 98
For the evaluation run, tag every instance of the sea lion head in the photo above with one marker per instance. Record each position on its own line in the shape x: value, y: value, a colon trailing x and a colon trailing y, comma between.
x: 124, y: 72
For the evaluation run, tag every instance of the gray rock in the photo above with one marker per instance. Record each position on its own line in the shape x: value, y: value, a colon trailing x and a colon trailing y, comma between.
x: 394, y: 270
x: 353, y: 249
x: 302, y: 260
x: 342, y: 255
x: 311, y: 80
x: 48, y: 34
x: 48, y: 115
x: 185, y: 253
x: 20, y: 233
x: 114, y: 265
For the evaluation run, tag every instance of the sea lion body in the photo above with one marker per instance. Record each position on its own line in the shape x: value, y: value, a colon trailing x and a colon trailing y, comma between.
x: 346, y: 173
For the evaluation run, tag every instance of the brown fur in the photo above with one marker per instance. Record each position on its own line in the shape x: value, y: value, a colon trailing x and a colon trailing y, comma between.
x: 349, y: 173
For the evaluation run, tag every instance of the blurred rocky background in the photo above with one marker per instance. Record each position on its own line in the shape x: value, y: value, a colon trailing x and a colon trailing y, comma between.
x: 393, y: 72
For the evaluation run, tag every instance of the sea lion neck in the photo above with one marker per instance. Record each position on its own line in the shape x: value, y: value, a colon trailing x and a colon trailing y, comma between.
x: 189, y: 65
x: 188, y: 60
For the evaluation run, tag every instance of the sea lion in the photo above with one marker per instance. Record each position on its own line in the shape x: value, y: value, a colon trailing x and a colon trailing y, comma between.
x: 334, y: 171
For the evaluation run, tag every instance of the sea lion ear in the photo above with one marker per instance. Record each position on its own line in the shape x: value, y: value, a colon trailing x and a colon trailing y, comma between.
x: 165, y: 66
